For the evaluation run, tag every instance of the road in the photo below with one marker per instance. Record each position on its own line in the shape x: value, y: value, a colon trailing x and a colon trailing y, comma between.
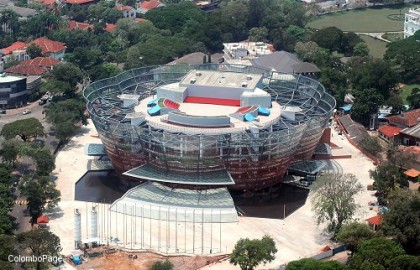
x: 22, y: 219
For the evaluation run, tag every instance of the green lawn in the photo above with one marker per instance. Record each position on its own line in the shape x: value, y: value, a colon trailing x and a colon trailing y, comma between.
x: 365, y: 20
x: 377, y: 48
x: 406, y: 91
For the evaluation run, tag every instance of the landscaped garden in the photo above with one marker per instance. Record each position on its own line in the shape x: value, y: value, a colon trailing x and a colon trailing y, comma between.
x: 377, y: 48
x: 364, y: 20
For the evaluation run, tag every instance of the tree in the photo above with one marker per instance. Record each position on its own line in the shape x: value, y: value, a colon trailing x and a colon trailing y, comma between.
x: 361, y: 50
x: 8, y: 247
x: 67, y: 72
x: 333, y: 199
x: 329, y: 38
x: 167, y: 265
x: 375, y: 253
x: 312, y: 264
x: 367, y: 103
x: 26, y: 129
x: 396, y: 103
x: 405, y: 262
x: 40, y: 192
x: 311, y: 52
x: 353, y: 233
x: 258, y: 34
x: 250, y: 253
x: 401, y: 222
x: 370, y: 145
x: 387, y: 177
x: 34, y: 51
x: 57, y: 88
x: 10, y: 150
x: 414, y: 98
x: 66, y: 117
x: 40, y: 243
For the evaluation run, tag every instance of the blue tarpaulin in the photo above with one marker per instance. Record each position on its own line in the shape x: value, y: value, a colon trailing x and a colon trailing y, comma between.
x: 346, y: 108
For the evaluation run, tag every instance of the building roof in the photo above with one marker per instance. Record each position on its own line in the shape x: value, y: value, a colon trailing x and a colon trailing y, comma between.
x: 355, y: 130
x: 18, y: 45
x: 408, y: 119
x: 46, y: 2
x: 27, y: 70
x: 9, y: 79
x: 412, y: 131
x: 49, y: 46
x: 79, y: 25
x: 123, y: 8
x: 412, y: 173
x: 78, y: 2
x: 285, y: 62
x: 20, y: 11
x: 376, y: 220
x: 389, y: 131
x: 195, y: 58
x: 110, y: 27
x: 149, y: 5
x: 95, y: 149
x: 47, y: 62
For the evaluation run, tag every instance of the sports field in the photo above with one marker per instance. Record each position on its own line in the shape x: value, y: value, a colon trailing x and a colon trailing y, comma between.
x: 406, y: 91
x: 364, y: 20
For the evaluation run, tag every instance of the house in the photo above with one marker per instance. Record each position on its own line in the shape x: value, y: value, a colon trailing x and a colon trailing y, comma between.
x: 389, y: 133
x: 15, y: 52
x: 375, y: 222
x: 109, y: 27
x: 285, y: 62
x: 411, y: 136
x: 405, y: 119
x: 22, y: 12
x: 128, y: 11
x: 242, y: 52
x: 78, y: 25
x: 145, y: 6
x: 53, y: 49
x: 411, y: 22
x: 26, y: 70
x: 45, y: 62
x: 80, y: 2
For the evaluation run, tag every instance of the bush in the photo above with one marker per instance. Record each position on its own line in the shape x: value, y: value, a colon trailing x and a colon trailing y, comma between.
x: 34, y: 96
x: 167, y: 265
x: 371, y: 145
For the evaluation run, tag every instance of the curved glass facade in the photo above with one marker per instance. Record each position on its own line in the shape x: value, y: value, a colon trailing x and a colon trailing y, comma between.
x: 255, y: 158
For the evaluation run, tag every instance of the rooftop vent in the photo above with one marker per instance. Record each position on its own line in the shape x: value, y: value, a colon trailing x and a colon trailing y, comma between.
x: 244, y: 84
x: 198, y: 73
x: 248, y: 77
x: 193, y: 80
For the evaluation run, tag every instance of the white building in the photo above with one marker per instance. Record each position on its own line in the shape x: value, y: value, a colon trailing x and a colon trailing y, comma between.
x: 242, y: 52
x: 412, y: 22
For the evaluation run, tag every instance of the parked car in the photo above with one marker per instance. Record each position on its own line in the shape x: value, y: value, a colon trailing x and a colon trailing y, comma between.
x: 305, y: 183
x: 2, y: 111
x: 26, y: 112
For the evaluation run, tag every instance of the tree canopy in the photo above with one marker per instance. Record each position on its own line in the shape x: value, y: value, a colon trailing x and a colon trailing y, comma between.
x: 26, y: 129
x: 333, y: 199
x: 353, y: 233
x: 312, y: 264
x: 249, y: 253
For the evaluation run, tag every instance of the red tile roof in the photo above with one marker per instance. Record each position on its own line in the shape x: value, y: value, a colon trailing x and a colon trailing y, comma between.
x: 389, y: 131
x: 408, y: 119
x: 376, y: 220
x: 78, y: 1
x: 15, y: 46
x: 140, y: 19
x: 122, y: 8
x: 110, y: 27
x: 47, y: 62
x: 149, y: 5
x: 45, y: 2
x: 412, y: 173
x: 27, y: 70
x: 49, y: 46
x: 79, y: 25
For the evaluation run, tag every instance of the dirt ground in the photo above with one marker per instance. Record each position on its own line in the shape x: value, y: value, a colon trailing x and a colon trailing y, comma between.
x: 123, y: 261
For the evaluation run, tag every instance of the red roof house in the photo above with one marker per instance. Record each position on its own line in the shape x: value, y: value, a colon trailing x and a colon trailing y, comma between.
x: 18, y: 45
x: 110, y: 27
x: 149, y: 5
x: 46, y: 62
x: 406, y: 119
x: 27, y: 70
x: 53, y: 49
x: 79, y: 2
x: 79, y: 25
x: 388, y: 132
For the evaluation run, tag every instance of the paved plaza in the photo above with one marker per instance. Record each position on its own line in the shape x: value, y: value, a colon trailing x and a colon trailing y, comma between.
x: 296, y: 237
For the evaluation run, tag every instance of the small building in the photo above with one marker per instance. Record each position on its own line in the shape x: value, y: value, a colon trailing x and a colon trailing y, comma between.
x: 79, y: 25
x: 33, y: 67
x: 15, y: 52
x: 13, y: 92
x: 405, y: 119
x: 80, y: 2
x: 375, y: 222
x: 22, y: 12
x: 128, y: 11
x: 145, y: 6
x: 242, y: 52
x: 389, y: 133
x: 285, y: 62
x: 109, y: 27
x: 53, y: 49
x: 411, y: 136
x: 411, y: 22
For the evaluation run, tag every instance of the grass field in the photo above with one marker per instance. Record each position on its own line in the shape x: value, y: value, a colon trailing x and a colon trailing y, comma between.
x: 377, y: 48
x: 406, y: 91
x: 365, y: 20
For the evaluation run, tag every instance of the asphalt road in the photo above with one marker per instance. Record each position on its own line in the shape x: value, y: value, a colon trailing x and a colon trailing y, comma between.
x: 18, y: 211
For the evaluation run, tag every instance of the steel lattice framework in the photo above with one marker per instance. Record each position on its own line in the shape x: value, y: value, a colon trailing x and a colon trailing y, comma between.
x: 255, y: 160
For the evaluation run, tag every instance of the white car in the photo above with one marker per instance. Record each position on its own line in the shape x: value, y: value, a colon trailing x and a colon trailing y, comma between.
x: 26, y: 112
